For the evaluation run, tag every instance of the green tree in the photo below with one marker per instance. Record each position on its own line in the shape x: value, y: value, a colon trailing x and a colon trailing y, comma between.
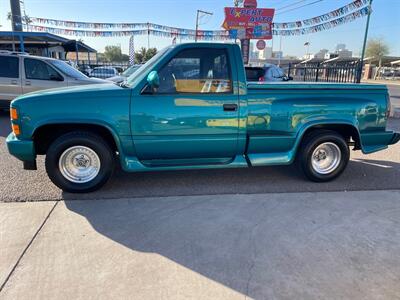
x: 143, y: 55
x: 150, y: 53
x: 114, y: 54
x: 377, y: 48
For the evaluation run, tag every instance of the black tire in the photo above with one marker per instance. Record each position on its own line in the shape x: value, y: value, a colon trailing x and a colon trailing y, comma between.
x: 79, y: 138
x: 310, y: 143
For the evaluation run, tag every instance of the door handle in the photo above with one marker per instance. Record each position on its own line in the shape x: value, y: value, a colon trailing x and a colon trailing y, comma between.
x: 230, y: 107
x: 27, y: 82
x: 14, y: 82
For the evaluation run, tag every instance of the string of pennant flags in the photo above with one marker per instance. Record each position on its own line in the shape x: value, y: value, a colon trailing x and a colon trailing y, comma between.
x: 340, y: 16
x: 323, y: 18
x: 124, y: 26
x: 121, y: 33
x: 327, y: 25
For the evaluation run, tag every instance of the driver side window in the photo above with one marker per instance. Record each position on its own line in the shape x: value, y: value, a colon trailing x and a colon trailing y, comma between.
x: 37, y: 69
x: 202, y: 71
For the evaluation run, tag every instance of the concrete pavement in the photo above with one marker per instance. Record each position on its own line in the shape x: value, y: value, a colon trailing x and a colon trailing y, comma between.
x: 18, y: 226
x: 341, y: 245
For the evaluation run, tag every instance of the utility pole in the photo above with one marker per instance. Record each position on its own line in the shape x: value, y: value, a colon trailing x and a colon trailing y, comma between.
x: 199, y: 13
x: 16, y: 18
x: 365, y: 42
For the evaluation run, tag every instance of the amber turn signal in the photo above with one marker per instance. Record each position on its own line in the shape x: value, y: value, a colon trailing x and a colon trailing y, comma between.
x: 13, y: 114
x: 16, y: 129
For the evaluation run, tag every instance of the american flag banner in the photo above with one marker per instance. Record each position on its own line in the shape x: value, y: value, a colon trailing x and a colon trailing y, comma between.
x: 131, y: 51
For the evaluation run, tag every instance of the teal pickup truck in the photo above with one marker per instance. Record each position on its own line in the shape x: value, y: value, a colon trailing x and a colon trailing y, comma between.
x: 190, y: 107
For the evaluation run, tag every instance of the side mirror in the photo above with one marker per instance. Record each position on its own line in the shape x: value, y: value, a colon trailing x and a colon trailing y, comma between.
x: 153, y: 80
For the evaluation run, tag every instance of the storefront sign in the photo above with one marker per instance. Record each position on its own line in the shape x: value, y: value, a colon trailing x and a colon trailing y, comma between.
x: 240, y: 17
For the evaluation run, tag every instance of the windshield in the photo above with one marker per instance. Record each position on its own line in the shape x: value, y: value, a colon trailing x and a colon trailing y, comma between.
x: 130, y: 81
x: 67, y: 69
x: 128, y: 72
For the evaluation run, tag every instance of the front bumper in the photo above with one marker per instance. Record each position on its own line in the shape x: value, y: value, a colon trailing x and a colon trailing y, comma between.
x: 23, y: 150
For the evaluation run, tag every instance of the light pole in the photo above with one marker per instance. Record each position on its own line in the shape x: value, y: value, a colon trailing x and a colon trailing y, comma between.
x: 199, y: 12
x: 365, y: 42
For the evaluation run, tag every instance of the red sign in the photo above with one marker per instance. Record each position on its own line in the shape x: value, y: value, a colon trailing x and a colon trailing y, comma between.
x: 241, y: 17
x: 261, y: 45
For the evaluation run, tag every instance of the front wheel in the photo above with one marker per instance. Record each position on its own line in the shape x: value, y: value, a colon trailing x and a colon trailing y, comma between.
x: 79, y: 162
x: 324, y: 155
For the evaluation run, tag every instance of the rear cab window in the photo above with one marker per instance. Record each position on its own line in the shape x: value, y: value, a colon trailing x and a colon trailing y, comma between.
x: 9, y: 67
x: 254, y: 73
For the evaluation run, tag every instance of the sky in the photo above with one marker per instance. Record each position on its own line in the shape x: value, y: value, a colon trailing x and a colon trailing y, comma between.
x: 385, y: 20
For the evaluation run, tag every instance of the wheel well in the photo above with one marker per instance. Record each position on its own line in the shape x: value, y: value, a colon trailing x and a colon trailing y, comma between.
x: 348, y: 132
x: 45, y: 135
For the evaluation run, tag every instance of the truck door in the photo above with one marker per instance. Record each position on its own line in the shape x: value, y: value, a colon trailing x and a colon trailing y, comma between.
x: 10, y: 80
x: 193, y: 115
x: 39, y: 75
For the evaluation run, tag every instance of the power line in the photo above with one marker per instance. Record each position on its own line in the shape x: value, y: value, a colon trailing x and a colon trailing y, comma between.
x: 308, y: 4
x: 281, y: 2
x: 289, y: 5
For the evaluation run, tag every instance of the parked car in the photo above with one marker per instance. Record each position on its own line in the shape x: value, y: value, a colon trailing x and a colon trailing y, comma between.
x: 124, y: 75
x: 22, y: 73
x: 389, y: 72
x: 269, y: 72
x: 190, y: 107
x: 85, y: 69
x: 119, y: 69
x: 104, y: 72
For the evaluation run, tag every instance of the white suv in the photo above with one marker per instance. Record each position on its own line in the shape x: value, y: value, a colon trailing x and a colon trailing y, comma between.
x: 22, y: 73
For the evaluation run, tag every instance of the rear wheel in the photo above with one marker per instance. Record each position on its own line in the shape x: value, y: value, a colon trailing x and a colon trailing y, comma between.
x: 324, y: 155
x: 79, y: 162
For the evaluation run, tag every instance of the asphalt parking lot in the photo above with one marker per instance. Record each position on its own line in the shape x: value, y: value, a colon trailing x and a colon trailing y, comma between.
x: 378, y: 171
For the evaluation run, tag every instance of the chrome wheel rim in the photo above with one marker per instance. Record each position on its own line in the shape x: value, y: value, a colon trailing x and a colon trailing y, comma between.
x: 79, y: 164
x: 326, y: 158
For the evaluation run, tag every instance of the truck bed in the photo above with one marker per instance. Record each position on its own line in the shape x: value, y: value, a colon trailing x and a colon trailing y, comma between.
x: 280, y: 112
